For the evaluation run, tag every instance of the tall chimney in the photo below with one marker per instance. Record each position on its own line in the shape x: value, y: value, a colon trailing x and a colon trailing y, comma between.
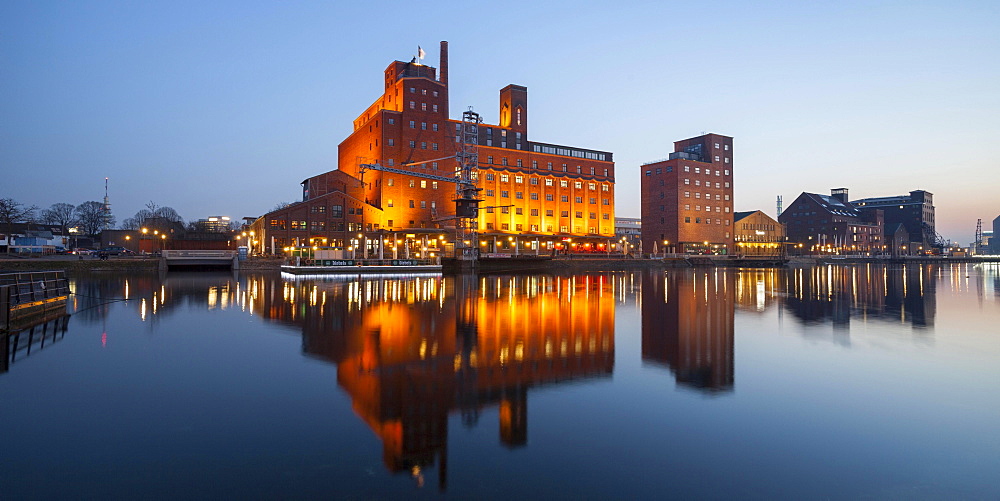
x: 443, y: 76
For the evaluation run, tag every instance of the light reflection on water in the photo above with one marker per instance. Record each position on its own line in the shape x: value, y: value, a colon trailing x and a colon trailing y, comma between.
x: 430, y: 364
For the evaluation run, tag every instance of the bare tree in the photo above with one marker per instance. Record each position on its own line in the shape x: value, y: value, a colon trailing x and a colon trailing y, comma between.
x: 12, y: 211
x: 60, y: 214
x: 90, y: 216
x: 152, y: 210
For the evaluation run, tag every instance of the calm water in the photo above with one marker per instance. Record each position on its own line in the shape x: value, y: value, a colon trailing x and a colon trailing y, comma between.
x: 830, y: 382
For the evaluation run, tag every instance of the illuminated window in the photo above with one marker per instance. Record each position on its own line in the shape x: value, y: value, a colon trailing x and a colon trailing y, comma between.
x: 518, y: 179
x: 548, y: 181
x: 389, y: 202
x: 563, y: 183
x: 423, y: 184
x: 504, y: 178
x: 434, y: 185
x: 413, y: 183
x: 578, y: 184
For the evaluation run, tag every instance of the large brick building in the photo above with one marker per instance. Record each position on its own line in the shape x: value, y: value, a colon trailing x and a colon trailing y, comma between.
x: 535, y: 196
x: 687, y: 200
x: 914, y: 211
x: 831, y: 224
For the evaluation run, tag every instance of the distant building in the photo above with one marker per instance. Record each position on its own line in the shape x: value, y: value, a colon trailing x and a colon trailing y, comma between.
x: 830, y: 224
x: 914, y: 211
x: 628, y: 232
x: 995, y: 241
x: 757, y: 234
x: 213, y: 224
x: 687, y: 200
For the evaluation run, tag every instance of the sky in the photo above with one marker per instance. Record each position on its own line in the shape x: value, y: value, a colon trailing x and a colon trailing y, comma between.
x: 223, y: 108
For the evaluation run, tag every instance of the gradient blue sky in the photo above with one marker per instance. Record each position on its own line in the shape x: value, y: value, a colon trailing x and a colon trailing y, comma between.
x: 222, y: 108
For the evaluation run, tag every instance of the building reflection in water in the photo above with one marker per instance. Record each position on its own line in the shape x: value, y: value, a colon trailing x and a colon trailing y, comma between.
x: 687, y: 325
x: 410, y: 351
x: 865, y: 292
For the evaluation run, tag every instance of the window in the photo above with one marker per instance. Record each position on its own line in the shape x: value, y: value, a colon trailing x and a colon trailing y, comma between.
x: 519, y: 162
x: 727, y: 160
x: 593, y: 200
x: 518, y: 227
x: 434, y: 127
x: 505, y: 210
x: 716, y: 158
x: 503, y: 161
x: 518, y: 179
x: 534, y: 164
x: 548, y: 212
x: 423, y: 204
x: 392, y: 121
x: 564, y: 213
x: 727, y: 184
x: 534, y: 212
x: 697, y: 182
x: 563, y: 183
x: 697, y: 207
x: 423, y: 145
x: 687, y: 220
x: 579, y: 214
x: 390, y: 162
x: 687, y: 194
x: 564, y: 198
x: 489, y: 193
x: 548, y: 197
x: 605, y: 216
x: 697, y: 194
x: 687, y: 206
x: 336, y: 211
x: 697, y: 220
x: 519, y: 211
x: 489, y: 175
x: 434, y: 146
x: 413, y: 124
x: 578, y: 184
x: 605, y: 187
x: 533, y: 181
x: 435, y: 108
x: 606, y: 201
x: 687, y: 168
x: 534, y: 195
x: 519, y: 194
x: 564, y: 228
x: 504, y: 178
x: 579, y: 200
x: 411, y: 204
x: 434, y: 185
x: 388, y: 202
x: 504, y: 226
x: 697, y: 170
x: 727, y: 172
x: 423, y: 106
x: 593, y: 215
x: 687, y: 181
x: 413, y: 105
x: 504, y: 194
x: 549, y: 165
x: 412, y: 183
x: 548, y: 181
x: 413, y: 144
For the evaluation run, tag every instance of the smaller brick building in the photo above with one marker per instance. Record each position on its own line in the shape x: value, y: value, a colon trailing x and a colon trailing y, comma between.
x: 757, y: 234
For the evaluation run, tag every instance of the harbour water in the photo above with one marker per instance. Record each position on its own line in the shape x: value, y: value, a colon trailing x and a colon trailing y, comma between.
x: 831, y: 382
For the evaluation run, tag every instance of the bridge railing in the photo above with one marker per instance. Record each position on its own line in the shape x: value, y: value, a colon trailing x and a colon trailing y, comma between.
x: 199, y: 254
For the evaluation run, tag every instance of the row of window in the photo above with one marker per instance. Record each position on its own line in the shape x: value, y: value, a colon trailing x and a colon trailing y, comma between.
x: 548, y: 228
x: 708, y: 184
x: 563, y: 183
x: 762, y: 227
x: 423, y: 106
x: 423, y: 204
x: 708, y: 220
x: 697, y: 194
x: 708, y: 208
x: 423, y: 92
x: 725, y: 145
